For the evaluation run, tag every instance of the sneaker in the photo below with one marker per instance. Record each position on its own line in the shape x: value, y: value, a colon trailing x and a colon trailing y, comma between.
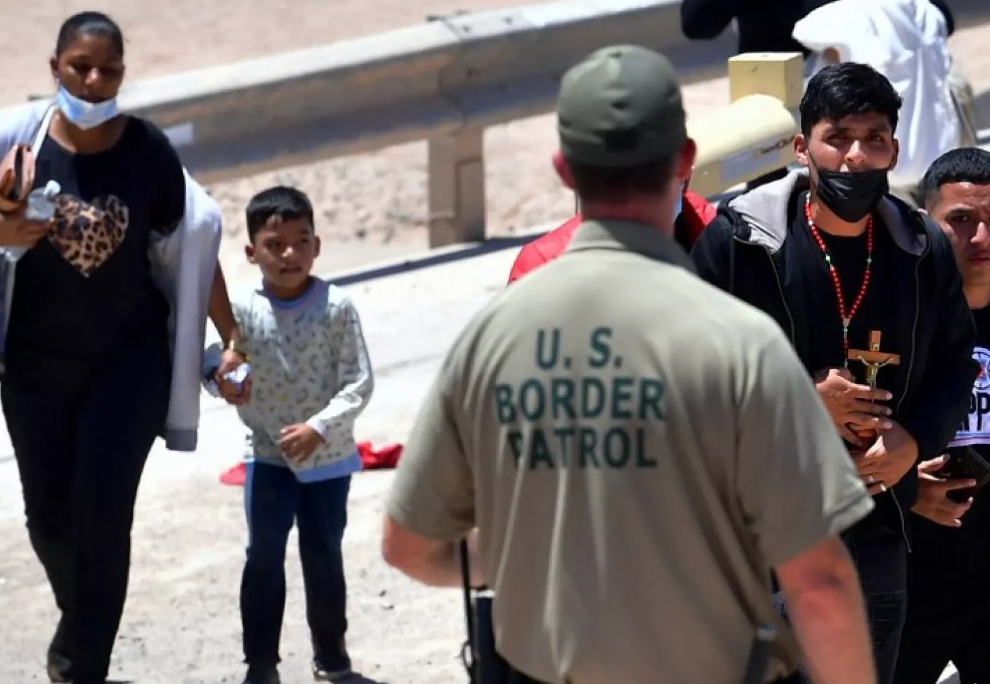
x: 59, y: 667
x: 262, y: 675
x: 325, y: 671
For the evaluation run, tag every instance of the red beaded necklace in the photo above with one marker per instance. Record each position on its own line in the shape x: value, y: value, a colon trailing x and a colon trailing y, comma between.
x: 845, y: 315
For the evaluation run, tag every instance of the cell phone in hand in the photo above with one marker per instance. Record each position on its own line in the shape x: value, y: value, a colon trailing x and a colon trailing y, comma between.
x: 965, y: 463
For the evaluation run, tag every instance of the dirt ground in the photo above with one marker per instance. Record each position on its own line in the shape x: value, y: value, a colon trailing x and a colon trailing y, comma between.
x: 181, y: 625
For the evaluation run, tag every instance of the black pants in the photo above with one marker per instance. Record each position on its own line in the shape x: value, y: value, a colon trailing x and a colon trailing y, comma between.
x: 81, y: 434
x: 881, y: 561
x: 274, y: 499
x: 948, y: 615
x: 928, y: 645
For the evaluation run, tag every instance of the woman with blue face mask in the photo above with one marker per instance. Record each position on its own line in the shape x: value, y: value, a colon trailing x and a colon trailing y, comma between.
x: 87, y: 376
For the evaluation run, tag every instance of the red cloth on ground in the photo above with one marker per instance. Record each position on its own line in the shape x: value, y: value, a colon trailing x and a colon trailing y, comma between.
x: 235, y: 476
x: 384, y: 458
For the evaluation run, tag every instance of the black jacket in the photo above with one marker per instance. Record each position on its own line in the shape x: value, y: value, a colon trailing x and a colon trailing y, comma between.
x: 745, y: 251
x: 764, y: 25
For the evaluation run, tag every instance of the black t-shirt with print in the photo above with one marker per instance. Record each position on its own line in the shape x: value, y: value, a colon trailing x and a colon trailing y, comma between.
x: 949, y: 568
x: 878, y: 310
x: 87, y: 289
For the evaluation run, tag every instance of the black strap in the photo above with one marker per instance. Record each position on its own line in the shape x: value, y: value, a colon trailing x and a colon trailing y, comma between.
x: 470, y: 648
x: 732, y: 265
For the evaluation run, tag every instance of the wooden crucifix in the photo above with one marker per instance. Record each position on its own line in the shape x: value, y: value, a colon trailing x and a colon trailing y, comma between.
x: 873, y: 358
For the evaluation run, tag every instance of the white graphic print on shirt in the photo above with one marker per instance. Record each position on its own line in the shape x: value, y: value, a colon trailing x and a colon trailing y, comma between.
x: 975, y: 428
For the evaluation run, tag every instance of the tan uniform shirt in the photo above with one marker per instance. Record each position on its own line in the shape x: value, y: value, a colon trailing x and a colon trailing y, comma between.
x: 637, y: 449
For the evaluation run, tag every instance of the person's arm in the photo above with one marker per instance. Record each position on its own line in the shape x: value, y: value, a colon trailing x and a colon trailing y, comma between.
x: 798, y: 488
x: 933, y: 500
x: 168, y: 205
x: 947, y: 383
x: 168, y: 210
x: 431, y: 506
x: 432, y: 562
x: 213, y: 354
x: 706, y: 19
x: 711, y: 252
x: 15, y: 229
x: 222, y: 314
x: 354, y: 374
x: 825, y: 605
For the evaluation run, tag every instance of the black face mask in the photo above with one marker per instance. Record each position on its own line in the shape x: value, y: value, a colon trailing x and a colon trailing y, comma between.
x: 851, y: 196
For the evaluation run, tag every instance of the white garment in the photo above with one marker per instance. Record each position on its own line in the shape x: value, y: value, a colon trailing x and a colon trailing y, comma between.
x: 905, y: 40
x: 183, y: 265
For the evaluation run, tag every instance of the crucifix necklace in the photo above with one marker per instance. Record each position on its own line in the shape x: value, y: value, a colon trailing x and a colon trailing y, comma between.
x: 844, y: 314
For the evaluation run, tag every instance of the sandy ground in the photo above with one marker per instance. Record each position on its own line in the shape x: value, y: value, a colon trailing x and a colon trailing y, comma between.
x: 181, y: 624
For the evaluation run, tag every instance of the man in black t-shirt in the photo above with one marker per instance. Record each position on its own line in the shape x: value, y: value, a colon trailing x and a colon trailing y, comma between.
x: 834, y: 260
x: 949, y: 571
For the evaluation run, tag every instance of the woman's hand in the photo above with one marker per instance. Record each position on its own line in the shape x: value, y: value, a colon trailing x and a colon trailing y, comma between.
x: 17, y: 231
x: 237, y: 394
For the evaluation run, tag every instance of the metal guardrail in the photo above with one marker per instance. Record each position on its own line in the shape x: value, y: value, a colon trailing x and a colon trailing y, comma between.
x: 444, y: 81
x: 470, y: 70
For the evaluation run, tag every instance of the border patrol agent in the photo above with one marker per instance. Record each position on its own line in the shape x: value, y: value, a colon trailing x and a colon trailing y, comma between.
x: 629, y: 450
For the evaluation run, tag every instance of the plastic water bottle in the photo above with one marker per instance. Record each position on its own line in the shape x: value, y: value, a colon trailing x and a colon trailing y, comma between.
x: 41, y: 202
x: 236, y: 377
x: 40, y: 207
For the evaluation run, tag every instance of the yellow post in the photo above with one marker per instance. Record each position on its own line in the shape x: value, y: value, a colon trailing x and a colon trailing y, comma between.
x: 754, y: 134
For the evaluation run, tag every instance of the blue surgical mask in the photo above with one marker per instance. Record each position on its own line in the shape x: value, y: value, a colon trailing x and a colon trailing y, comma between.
x: 82, y: 114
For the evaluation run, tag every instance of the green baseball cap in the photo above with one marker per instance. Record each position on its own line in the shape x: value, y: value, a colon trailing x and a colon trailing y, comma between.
x: 620, y: 107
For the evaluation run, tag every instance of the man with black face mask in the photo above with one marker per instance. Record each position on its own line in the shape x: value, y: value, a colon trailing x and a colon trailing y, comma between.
x: 868, y: 291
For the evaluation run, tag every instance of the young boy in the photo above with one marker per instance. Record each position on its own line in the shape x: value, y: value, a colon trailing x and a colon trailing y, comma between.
x: 310, y: 379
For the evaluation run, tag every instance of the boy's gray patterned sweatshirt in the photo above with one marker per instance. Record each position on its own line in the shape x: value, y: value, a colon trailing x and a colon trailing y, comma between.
x: 309, y: 364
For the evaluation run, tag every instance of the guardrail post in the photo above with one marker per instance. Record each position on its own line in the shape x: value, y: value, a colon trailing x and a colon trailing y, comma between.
x: 777, y: 74
x: 457, y: 187
x: 753, y: 135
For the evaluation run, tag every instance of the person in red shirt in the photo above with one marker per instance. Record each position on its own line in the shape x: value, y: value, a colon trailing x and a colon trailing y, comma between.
x: 695, y: 213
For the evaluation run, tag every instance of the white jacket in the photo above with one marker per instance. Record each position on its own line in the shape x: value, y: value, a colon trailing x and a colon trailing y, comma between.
x: 906, y: 41
x: 183, y: 265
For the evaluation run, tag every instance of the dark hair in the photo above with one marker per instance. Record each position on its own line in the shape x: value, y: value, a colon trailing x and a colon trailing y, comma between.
x: 284, y: 202
x: 840, y: 90
x: 602, y: 184
x: 89, y: 24
x: 962, y: 165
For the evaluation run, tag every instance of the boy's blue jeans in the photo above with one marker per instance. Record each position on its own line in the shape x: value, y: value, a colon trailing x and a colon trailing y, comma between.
x: 274, y: 499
